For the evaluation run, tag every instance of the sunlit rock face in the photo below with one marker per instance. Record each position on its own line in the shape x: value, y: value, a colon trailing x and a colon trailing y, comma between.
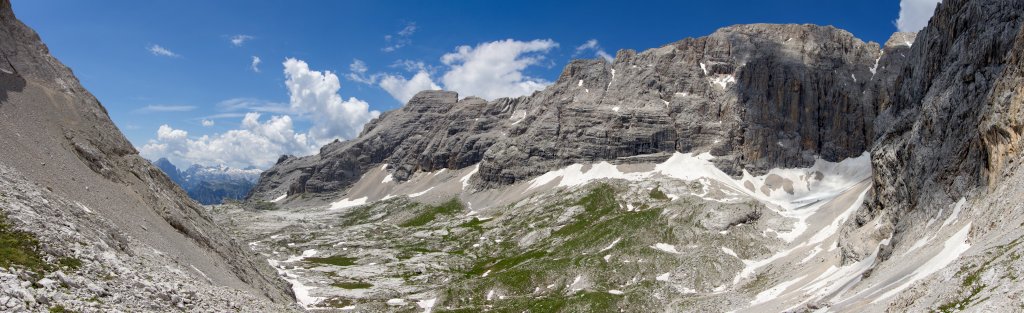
x: 757, y: 96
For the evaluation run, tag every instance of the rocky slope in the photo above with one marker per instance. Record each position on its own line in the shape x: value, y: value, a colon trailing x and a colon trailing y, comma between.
x: 58, y: 138
x: 211, y: 184
x: 758, y: 96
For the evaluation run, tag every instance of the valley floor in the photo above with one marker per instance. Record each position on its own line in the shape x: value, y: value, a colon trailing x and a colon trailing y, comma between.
x: 678, y: 236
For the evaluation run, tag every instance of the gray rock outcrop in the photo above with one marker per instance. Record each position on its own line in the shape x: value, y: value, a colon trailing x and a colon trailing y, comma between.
x: 757, y: 96
x: 953, y: 121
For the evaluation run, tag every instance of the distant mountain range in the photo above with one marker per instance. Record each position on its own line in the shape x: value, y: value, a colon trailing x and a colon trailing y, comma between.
x: 211, y: 184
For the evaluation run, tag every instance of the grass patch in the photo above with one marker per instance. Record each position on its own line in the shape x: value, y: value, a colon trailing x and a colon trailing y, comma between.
x: 336, y: 260
x: 657, y: 194
x: 599, y: 202
x: 475, y: 224
x: 972, y: 279
x: 264, y: 206
x: 352, y: 285
x: 337, y: 302
x: 495, y: 265
x: 60, y: 309
x: 72, y: 264
x: 430, y: 213
x: 19, y: 248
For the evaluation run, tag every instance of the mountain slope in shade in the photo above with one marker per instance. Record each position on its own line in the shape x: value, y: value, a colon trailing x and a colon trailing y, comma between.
x: 72, y: 181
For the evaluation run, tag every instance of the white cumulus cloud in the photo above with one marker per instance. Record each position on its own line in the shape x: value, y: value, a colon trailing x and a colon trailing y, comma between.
x: 256, y: 64
x: 403, y: 89
x: 914, y: 14
x: 593, y: 45
x: 161, y: 51
x: 314, y: 95
x: 489, y: 70
x: 254, y: 143
x: 495, y: 69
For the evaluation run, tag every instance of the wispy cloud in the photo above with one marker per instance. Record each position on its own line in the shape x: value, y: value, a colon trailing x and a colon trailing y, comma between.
x: 593, y: 45
x: 207, y: 123
x: 252, y: 105
x: 239, y: 40
x: 400, y: 39
x: 165, y: 108
x: 357, y: 73
x: 161, y: 51
x: 222, y: 116
x: 256, y: 64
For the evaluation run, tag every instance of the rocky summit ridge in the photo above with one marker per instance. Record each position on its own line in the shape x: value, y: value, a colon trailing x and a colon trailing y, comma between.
x: 757, y: 96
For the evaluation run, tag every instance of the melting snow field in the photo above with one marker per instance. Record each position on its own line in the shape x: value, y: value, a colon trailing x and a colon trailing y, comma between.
x: 951, y: 250
x: 301, y: 290
x: 346, y: 203
x: 665, y: 247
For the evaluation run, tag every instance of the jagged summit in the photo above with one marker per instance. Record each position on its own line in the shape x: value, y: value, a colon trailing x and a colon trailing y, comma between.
x: 758, y: 96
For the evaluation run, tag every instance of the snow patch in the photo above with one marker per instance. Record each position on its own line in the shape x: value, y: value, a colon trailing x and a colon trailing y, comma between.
x: 665, y: 247
x: 465, y: 179
x: 427, y: 305
x: 517, y: 116
x: 951, y: 250
x: 874, y: 68
x: 610, y: 246
x: 723, y: 80
x: 730, y: 252
x: 956, y: 212
x: 417, y: 194
x: 346, y: 203
x: 774, y: 292
x: 663, y: 277
x: 285, y: 195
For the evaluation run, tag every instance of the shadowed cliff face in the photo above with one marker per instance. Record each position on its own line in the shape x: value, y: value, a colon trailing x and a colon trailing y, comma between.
x: 954, y: 111
x: 948, y: 124
x: 757, y: 96
x: 58, y: 136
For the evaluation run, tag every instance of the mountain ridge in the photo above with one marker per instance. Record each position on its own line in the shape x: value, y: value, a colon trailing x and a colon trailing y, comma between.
x: 653, y: 98
x: 211, y: 184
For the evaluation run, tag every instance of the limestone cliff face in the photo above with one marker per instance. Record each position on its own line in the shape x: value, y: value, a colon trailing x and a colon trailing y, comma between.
x: 59, y: 136
x: 949, y: 123
x: 758, y: 96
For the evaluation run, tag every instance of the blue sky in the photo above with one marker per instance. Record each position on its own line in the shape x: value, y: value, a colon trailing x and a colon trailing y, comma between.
x: 163, y: 67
